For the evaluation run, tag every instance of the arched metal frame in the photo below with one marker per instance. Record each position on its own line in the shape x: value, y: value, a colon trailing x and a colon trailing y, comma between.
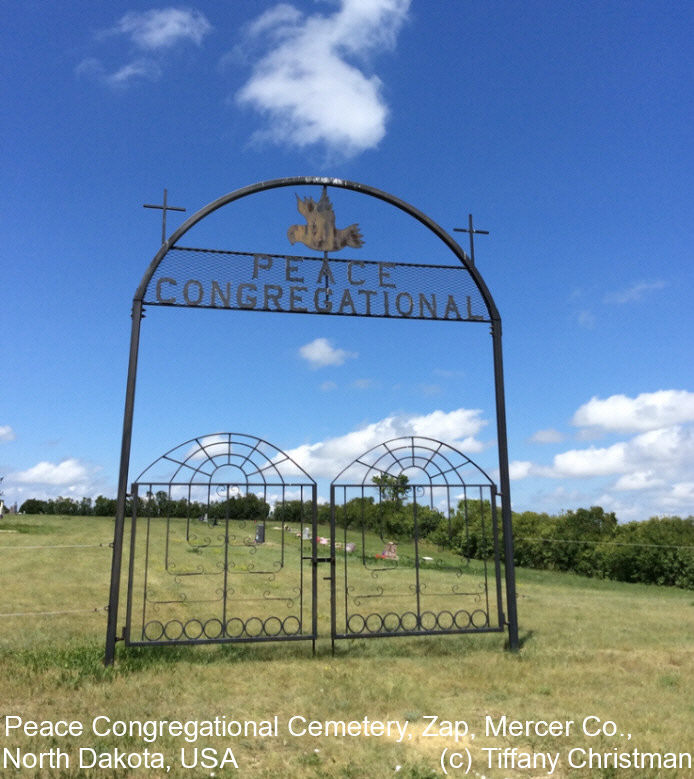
x: 137, y: 315
x: 226, y: 549
x: 405, y: 592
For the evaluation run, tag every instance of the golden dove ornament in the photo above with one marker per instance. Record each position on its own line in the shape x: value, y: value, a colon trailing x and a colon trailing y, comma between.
x: 320, y: 232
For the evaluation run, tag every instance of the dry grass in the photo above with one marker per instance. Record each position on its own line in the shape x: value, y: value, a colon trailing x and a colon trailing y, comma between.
x: 619, y: 652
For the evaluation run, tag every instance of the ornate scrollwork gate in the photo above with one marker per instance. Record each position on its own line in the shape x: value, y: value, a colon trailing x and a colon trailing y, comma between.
x: 405, y: 518
x: 207, y: 563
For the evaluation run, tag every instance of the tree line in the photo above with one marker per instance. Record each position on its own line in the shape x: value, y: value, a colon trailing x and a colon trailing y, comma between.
x: 586, y: 541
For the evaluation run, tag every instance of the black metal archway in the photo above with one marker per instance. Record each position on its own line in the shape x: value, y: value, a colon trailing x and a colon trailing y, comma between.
x: 405, y: 290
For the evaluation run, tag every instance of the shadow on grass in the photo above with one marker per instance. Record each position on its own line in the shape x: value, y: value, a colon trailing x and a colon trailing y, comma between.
x: 523, y: 639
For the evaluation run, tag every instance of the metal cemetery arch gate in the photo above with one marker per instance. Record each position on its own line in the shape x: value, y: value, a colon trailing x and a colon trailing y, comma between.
x: 231, y: 279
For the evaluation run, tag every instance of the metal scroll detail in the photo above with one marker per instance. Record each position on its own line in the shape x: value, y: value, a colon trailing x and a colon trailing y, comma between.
x: 407, y: 517
x: 209, y: 562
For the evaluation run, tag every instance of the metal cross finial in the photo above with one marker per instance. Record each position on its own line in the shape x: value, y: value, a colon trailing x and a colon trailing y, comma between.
x: 164, y: 208
x: 472, y: 232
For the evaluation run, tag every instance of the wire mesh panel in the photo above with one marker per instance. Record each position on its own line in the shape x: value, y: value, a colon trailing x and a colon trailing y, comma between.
x: 222, y: 550
x: 415, y: 543
x: 247, y: 281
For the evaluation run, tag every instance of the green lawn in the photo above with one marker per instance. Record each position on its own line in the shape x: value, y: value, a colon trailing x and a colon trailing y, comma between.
x: 618, y: 652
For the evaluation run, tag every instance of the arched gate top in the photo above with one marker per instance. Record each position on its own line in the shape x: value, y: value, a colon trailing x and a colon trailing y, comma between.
x: 441, y: 464
x: 200, y: 460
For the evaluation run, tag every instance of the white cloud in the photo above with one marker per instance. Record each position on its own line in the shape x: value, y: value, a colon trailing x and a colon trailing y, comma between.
x: 140, y: 68
x: 162, y: 28
x: 326, y: 459
x: 207, y: 446
x: 682, y: 491
x: 304, y: 84
x: 63, y: 474
x: 635, y: 292
x: 647, y: 411
x: 520, y: 469
x: 647, y: 474
x: 153, y: 32
x: 70, y: 477
x: 581, y: 463
x: 6, y: 433
x: 548, y: 436
x: 657, y: 456
x: 638, y: 480
x: 320, y: 352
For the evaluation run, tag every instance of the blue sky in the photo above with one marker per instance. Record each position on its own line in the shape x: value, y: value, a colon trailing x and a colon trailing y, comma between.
x: 565, y: 128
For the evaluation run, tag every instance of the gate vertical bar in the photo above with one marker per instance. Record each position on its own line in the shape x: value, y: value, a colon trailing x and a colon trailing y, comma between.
x: 112, y: 623
x: 333, y: 591
x: 314, y: 564
x: 131, y: 567
x: 493, y: 492
x: 418, y: 588
x: 504, y: 479
x: 225, y: 584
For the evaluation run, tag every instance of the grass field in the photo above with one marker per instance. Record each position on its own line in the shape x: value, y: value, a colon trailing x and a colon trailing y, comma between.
x: 617, y: 652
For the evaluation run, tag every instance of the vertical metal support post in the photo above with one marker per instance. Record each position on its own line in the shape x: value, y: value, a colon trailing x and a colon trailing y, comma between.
x: 333, y: 568
x: 119, y: 529
x: 131, y: 565
x: 506, y: 523
x: 418, y: 587
x: 314, y: 565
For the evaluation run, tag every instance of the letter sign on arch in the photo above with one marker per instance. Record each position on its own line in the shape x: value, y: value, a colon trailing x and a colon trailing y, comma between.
x: 319, y: 274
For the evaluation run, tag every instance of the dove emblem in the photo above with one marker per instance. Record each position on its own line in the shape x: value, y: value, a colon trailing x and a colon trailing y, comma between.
x: 320, y: 232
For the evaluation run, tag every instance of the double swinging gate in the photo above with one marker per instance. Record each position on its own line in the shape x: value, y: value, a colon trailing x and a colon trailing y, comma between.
x: 225, y: 543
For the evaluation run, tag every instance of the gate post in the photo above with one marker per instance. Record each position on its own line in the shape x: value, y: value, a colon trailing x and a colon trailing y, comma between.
x: 119, y: 529
x: 504, y: 480
x: 333, y: 567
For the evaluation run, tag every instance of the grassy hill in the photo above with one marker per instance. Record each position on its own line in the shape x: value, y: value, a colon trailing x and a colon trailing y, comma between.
x: 618, y: 653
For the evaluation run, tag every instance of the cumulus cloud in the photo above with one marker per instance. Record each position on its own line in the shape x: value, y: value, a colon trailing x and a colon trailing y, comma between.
x: 326, y: 459
x: 150, y: 34
x: 647, y: 411
x: 6, y: 433
x: 310, y: 83
x: 655, y: 454
x: 520, y: 469
x: 320, y: 353
x: 580, y: 463
x: 638, y: 480
x: 69, y: 477
x: 646, y: 474
x: 62, y: 474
